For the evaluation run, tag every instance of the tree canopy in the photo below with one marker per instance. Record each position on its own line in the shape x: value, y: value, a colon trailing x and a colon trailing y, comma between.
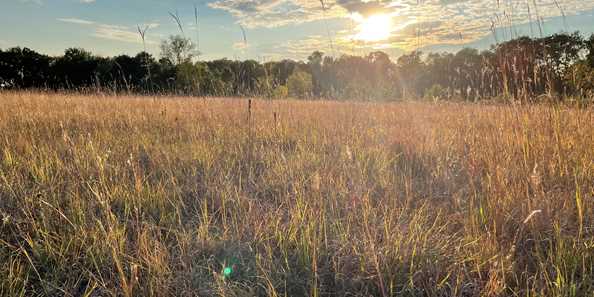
x: 560, y: 65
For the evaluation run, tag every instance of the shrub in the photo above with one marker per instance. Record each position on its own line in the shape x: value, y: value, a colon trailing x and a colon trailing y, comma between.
x: 436, y: 92
x: 280, y: 92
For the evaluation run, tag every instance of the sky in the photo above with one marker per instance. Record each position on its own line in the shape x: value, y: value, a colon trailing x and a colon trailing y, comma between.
x: 267, y: 30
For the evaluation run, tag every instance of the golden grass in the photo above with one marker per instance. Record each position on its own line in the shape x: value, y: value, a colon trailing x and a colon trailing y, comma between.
x: 125, y: 196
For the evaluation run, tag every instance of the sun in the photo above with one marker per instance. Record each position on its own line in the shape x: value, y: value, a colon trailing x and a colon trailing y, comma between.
x: 374, y: 28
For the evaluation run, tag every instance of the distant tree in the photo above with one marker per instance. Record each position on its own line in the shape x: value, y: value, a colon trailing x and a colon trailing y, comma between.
x: 147, y: 63
x: 163, y: 73
x: 580, y: 78
x: 280, y: 92
x: 314, y: 61
x: 250, y: 76
x: 24, y: 68
x: 76, y: 69
x: 194, y: 79
x: 521, y: 67
x: 280, y: 71
x: 589, y: 44
x: 561, y: 51
x: 467, y: 68
x: 410, y: 68
x: 435, y: 92
x: 440, y: 72
x: 224, y: 75
x: 177, y: 49
x: 300, y: 84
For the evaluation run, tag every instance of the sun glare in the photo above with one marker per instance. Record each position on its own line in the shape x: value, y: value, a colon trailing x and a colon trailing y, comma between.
x: 374, y: 28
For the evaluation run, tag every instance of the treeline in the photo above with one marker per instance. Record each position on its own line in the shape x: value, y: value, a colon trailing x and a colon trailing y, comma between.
x: 561, y: 65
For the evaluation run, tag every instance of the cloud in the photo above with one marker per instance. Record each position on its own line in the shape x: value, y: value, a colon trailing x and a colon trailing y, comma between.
x: 116, y: 33
x: 274, y: 13
x: 343, y: 44
x: 38, y: 2
x: 418, y: 22
x: 113, y: 32
x: 75, y: 21
x: 241, y: 46
x: 462, y: 21
x: 366, y: 8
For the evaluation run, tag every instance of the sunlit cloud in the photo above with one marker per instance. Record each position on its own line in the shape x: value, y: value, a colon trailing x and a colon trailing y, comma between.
x: 419, y: 23
x: 117, y: 33
x: 376, y: 27
x: 343, y: 44
x: 241, y: 46
x: 275, y: 13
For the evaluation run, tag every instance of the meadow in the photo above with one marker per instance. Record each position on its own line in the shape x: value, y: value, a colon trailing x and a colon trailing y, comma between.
x: 177, y: 196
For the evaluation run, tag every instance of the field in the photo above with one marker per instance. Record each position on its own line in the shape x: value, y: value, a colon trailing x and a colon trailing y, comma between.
x: 130, y: 196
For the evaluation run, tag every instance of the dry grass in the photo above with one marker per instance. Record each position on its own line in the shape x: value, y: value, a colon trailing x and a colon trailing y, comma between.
x: 104, y: 196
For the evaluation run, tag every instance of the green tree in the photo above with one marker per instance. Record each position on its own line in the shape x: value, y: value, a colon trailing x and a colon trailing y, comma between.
x: 581, y: 78
x: 314, y: 61
x: 194, y: 79
x: 177, y: 49
x: 410, y: 70
x: 280, y: 92
x: 300, y: 84
x: 590, y: 48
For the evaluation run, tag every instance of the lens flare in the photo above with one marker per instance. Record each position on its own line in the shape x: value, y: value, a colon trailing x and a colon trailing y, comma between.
x: 374, y: 28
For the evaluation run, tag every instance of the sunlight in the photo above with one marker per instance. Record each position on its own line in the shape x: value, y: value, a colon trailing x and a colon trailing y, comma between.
x: 374, y: 28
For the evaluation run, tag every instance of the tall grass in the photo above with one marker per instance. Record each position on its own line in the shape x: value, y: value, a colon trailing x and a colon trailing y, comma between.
x: 123, y: 196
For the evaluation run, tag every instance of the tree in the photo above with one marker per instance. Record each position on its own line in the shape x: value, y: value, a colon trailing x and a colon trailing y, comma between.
x: 467, y: 66
x: 314, y: 61
x: 561, y: 51
x: 76, y: 69
x: 521, y: 67
x: 300, y: 84
x: 24, y: 68
x: 410, y: 70
x: 590, y: 48
x: 194, y: 79
x: 280, y: 92
x: 148, y: 62
x: 581, y: 78
x: 177, y: 49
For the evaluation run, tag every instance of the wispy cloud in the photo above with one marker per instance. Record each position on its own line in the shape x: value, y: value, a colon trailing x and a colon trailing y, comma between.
x: 242, y: 46
x: 75, y: 21
x: 38, y: 2
x: 119, y: 33
x: 273, y: 13
x: 112, y: 32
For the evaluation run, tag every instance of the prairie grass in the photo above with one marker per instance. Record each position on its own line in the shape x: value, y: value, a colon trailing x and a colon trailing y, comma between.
x: 127, y: 196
